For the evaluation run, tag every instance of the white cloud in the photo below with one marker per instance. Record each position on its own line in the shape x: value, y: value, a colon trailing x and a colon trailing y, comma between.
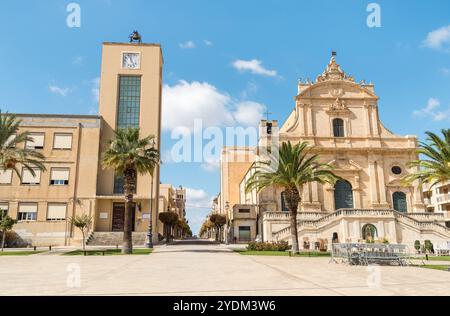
x: 445, y: 71
x: 254, y: 66
x: 208, y: 43
x: 79, y: 60
x: 59, y: 91
x: 187, y: 45
x: 95, y: 89
x: 186, y: 102
x: 431, y: 111
x: 438, y: 39
x: 211, y: 165
x: 249, y: 113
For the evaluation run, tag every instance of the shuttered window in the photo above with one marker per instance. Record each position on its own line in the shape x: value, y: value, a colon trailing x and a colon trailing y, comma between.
x: 62, y: 141
x: 5, y: 176
x: 28, y: 178
x: 27, y: 212
x: 36, y: 142
x: 59, y: 176
x: 56, y: 212
x: 4, y: 207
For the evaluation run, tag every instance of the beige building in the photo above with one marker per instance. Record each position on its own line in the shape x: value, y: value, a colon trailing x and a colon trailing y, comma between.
x: 339, y: 118
x: 75, y: 182
x: 173, y: 200
x: 437, y: 200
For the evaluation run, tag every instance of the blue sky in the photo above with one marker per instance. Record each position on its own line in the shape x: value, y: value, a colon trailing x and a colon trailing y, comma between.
x: 237, y: 55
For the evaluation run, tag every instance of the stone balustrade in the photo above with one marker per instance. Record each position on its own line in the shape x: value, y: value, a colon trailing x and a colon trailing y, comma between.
x: 423, y: 221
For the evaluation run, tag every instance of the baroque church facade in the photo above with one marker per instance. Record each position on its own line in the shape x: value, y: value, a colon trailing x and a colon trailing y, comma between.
x: 339, y: 118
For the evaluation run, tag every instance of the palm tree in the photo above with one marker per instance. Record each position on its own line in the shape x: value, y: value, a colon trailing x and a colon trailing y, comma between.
x: 127, y: 156
x: 295, y: 167
x: 435, y: 168
x: 11, y: 156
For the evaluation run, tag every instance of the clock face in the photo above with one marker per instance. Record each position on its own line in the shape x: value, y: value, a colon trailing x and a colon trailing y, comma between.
x: 131, y: 60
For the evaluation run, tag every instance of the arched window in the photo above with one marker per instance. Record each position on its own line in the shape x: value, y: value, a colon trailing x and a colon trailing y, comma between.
x: 399, y: 202
x: 338, y: 127
x: 343, y: 195
x: 369, y: 232
x: 283, y: 202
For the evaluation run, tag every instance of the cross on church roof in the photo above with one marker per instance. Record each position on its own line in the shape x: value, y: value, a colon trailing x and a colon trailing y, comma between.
x: 267, y: 113
x: 333, y: 53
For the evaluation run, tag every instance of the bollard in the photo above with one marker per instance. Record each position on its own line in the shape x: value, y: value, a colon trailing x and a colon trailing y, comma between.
x: 49, y: 248
x: 34, y: 248
x: 426, y: 256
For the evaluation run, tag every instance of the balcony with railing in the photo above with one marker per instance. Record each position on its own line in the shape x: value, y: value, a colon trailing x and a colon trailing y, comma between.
x: 443, y: 198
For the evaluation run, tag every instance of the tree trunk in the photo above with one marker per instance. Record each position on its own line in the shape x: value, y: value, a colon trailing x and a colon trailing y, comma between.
x: 292, y: 199
x: 3, y: 240
x: 129, y: 187
x: 84, y: 242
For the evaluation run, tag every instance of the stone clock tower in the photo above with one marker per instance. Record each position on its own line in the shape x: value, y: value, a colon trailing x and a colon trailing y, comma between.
x: 130, y: 96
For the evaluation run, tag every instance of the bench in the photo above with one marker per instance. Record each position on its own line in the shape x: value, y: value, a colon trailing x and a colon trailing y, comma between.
x: 102, y: 251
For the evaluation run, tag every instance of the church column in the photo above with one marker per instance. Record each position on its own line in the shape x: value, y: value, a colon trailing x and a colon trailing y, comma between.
x: 301, y: 119
x: 381, y: 182
x: 367, y: 112
x: 306, y: 196
x: 419, y: 205
x: 309, y: 119
x: 315, y: 192
x: 357, y: 193
x: 373, y: 182
x: 374, y: 115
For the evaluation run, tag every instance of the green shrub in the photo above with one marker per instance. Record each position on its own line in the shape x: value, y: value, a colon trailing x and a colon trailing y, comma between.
x: 429, y: 246
x: 269, y: 246
x: 417, y: 245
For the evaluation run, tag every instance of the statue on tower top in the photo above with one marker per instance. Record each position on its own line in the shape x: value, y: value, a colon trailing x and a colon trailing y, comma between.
x: 135, y: 37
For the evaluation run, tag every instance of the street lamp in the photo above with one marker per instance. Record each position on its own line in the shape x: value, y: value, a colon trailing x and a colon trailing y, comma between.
x: 149, y: 242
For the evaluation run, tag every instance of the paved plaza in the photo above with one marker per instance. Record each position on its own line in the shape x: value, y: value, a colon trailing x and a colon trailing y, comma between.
x: 195, y: 269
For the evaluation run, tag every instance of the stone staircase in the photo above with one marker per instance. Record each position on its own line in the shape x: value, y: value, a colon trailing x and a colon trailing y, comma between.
x: 317, y: 225
x: 114, y: 238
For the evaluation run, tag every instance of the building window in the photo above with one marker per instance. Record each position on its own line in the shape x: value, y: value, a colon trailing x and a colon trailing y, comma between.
x: 56, y: 212
x: 27, y: 212
x: 118, y: 184
x: 36, y: 141
x: 338, y: 127
x: 396, y: 170
x: 399, y: 202
x: 244, y: 210
x: 129, y: 102
x: 284, y: 207
x: 62, y: 141
x: 5, y: 176
x: 245, y: 233
x: 59, y: 176
x: 4, y: 207
x: 343, y: 195
x: 29, y: 179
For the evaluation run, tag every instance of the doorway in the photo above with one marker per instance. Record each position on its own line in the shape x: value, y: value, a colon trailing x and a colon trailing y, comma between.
x: 118, y: 219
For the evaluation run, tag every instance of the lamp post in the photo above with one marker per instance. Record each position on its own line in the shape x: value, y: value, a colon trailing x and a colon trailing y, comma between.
x: 149, y: 243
